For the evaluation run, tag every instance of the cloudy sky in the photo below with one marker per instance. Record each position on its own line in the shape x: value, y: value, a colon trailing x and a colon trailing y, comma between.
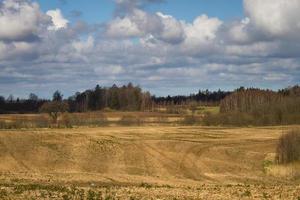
x: 165, y: 46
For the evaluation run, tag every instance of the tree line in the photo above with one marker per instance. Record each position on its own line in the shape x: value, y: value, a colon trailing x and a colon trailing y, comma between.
x: 254, y: 99
x: 125, y: 98
x: 254, y: 106
x: 204, y: 97
x: 30, y: 105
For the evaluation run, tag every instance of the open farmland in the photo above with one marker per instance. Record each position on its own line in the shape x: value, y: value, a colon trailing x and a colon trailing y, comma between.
x: 146, y: 162
x: 11, y: 121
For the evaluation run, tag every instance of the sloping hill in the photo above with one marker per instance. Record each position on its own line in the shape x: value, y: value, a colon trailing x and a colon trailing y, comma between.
x: 130, y: 156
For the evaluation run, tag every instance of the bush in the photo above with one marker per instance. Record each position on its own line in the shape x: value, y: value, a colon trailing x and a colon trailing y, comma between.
x: 65, y: 121
x: 288, y: 148
x: 229, y: 119
x: 54, y: 108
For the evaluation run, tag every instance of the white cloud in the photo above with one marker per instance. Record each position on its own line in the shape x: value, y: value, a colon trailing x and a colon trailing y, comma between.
x: 20, y: 20
x: 16, y: 50
x: 201, y: 34
x: 137, y: 23
x: 164, y: 28
x: 153, y: 49
x: 277, y: 77
x: 275, y: 18
x: 203, y: 29
x: 172, y: 30
x: 109, y: 70
x: 239, y: 31
x: 260, y: 49
x: 123, y: 27
x: 58, y: 19
x: 85, y: 46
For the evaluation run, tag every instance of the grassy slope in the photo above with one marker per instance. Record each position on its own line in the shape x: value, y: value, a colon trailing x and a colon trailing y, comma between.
x: 187, y: 153
x: 171, y: 157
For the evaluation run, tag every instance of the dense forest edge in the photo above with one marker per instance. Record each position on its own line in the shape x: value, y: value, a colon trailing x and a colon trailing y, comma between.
x: 125, y: 98
x: 241, y: 107
x: 258, y: 107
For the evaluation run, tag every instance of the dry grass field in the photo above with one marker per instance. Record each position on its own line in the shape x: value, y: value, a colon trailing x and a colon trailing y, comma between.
x: 145, y: 162
x: 91, y: 119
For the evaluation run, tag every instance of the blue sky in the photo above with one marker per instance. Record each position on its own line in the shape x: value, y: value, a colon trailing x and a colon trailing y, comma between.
x: 97, y: 11
x: 190, y: 9
x: 94, y: 11
x: 168, y: 47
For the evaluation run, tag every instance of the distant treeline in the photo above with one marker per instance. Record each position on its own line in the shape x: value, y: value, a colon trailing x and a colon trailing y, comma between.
x: 206, y: 97
x: 127, y: 97
x: 11, y: 105
x: 250, y: 105
x: 254, y: 106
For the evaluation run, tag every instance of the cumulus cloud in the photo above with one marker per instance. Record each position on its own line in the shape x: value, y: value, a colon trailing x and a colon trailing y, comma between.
x: 164, y: 28
x: 200, y: 34
x: 172, y: 30
x: 124, y: 27
x: 17, y: 50
x: 135, y: 24
x: 203, y: 28
x: 58, y: 19
x: 238, y: 31
x: 83, y: 46
x: 267, y: 20
x: 45, y: 51
x: 20, y: 20
x: 269, y: 29
x: 278, y: 18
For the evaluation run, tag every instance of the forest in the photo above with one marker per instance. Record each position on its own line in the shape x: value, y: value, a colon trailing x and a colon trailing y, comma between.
x: 124, y: 98
x: 243, y: 106
x: 253, y: 106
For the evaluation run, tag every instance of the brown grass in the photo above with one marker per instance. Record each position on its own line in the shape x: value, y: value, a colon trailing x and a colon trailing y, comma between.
x: 158, y: 162
x: 92, y: 119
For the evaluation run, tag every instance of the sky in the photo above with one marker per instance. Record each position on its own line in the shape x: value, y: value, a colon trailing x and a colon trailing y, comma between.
x: 168, y: 47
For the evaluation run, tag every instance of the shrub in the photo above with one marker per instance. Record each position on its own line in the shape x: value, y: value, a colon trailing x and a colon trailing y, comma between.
x: 54, y: 108
x: 288, y: 148
x: 65, y: 121
x: 230, y: 119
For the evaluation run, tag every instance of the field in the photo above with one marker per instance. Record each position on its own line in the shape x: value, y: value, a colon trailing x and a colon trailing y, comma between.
x: 144, y: 162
